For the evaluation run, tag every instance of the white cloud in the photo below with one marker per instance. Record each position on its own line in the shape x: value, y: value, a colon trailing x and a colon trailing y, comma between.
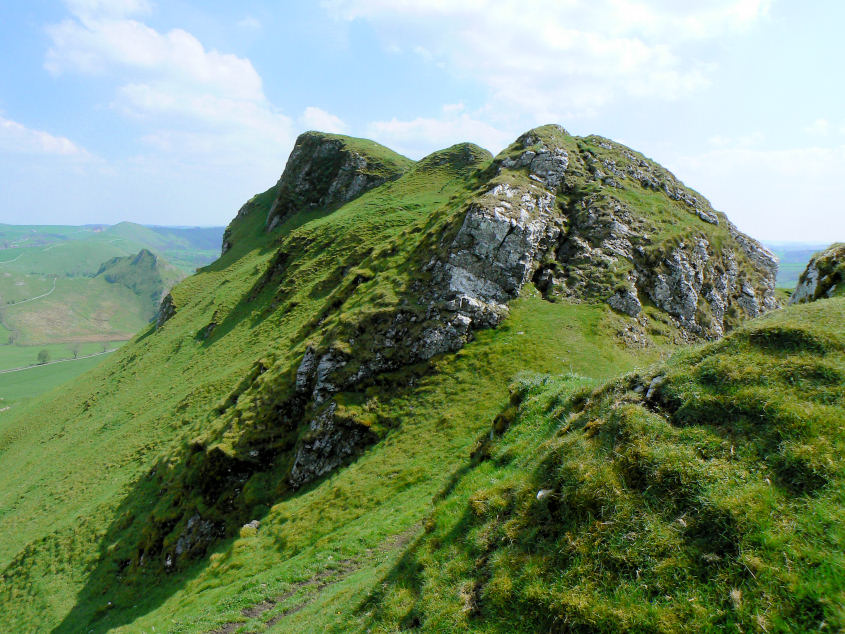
x: 197, y: 101
x: 16, y: 138
x: 102, y: 45
x: 820, y: 127
x: 108, y: 8
x: 316, y: 119
x: 773, y: 193
x: 249, y: 22
x: 422, y: 135
x: 548, y: 58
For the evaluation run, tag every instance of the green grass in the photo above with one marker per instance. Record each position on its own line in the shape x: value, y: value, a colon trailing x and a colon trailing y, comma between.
x: 19, y: 356
x: 16, y: 388
x: 98, y: 480
x: 714, y: 505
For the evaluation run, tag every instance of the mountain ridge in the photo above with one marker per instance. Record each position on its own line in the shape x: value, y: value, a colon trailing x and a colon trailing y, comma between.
x: 345, y: 361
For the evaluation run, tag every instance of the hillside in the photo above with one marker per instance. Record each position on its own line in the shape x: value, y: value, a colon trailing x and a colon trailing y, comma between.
x: 287, y: 445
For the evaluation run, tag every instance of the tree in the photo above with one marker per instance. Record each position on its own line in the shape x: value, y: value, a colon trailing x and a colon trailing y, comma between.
x: 43, y: 357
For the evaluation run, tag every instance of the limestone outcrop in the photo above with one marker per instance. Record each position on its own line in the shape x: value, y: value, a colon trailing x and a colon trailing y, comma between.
x: 823, y: 277
x: 549, y: 213
x: 326, y: 171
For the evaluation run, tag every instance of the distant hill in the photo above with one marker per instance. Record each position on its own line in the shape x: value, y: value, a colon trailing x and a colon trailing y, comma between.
x: 145, y: 274
x: 74, y: 291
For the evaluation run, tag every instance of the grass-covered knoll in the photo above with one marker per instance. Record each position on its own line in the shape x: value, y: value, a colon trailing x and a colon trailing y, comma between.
x: 50, y: 291
x: 705, y: 494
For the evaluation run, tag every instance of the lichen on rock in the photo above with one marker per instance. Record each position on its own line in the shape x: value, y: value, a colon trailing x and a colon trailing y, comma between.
x: 325, y: 171
x: 823, y: 277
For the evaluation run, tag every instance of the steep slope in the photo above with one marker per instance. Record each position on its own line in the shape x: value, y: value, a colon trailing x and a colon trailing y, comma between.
x: 823, y: 277
x: 705, y: 494
x: 352, y: 321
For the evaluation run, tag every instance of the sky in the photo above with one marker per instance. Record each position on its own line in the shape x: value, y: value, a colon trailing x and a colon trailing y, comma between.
x: 177, y: 112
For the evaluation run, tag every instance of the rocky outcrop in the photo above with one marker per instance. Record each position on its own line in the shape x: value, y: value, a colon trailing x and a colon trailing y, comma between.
x: 326, y: 171
x: 823, y: 277
x: 329, y: 442
x: 544, y: 216
x: 165, y: 311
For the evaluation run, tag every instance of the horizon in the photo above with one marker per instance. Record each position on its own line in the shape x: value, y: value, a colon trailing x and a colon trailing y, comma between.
x: 180, y: 112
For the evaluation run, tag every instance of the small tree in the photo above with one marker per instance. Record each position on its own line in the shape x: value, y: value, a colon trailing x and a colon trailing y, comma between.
x: 43, y: 357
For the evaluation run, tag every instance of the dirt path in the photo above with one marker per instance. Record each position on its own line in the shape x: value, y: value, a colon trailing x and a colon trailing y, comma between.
x: 317, y: 583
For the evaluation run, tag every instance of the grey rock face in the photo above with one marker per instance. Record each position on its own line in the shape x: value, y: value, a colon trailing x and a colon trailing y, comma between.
x: 823, y: 277
x: 196, y: 536
x: 322, y: 172
x: 329, y: 443
x: 165, y: 311
x: 806, y: 289
x: 626, y: 301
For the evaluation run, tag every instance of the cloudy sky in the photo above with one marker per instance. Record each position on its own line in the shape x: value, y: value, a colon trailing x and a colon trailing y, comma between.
x: 176, y: 112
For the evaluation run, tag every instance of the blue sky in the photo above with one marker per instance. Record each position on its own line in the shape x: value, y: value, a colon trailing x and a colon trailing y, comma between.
x: 177, y: 112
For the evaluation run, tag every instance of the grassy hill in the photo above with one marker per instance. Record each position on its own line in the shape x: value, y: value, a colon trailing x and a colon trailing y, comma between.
x: 304, y: 443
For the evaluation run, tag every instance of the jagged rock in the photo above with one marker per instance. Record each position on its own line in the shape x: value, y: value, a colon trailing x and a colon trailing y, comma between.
x: 165, y: 311
x: 626, y: 301
x: 324, y: 171
x: 823, y: 277
x: 328, y: 443
x: 198, y: 534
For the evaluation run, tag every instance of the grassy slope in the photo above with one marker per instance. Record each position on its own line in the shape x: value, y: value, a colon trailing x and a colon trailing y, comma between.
x: 719, y: 503
x: 102, y: 465
x: 141, y: 414
x: 130, y: 415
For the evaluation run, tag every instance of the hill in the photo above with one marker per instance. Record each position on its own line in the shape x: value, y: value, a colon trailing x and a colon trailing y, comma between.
x: 144, y: 274
x: 274, y: 449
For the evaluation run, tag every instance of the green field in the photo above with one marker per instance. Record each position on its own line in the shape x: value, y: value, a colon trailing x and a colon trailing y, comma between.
x: 18, y: 356
x: 16, y: 388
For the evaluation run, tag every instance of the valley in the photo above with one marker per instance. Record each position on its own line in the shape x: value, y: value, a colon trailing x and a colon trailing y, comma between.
x: 71, y: 292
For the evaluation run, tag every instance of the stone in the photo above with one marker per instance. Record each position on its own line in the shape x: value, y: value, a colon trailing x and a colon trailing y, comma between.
x: 626, y: 301
x: 324, y: 172
x: 165, y: 311
x: 823, y: 277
